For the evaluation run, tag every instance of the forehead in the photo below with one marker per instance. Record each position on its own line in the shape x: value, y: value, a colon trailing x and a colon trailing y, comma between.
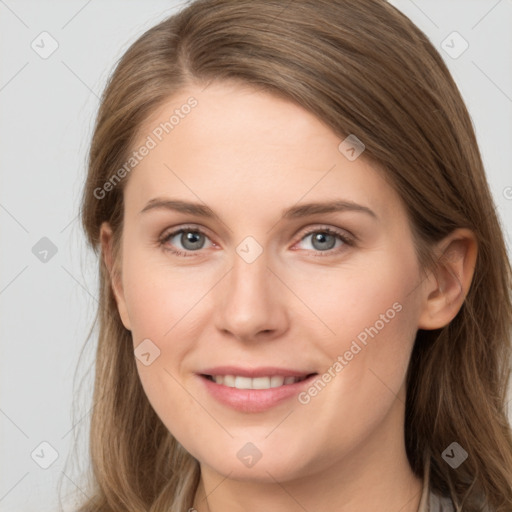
x: 237, y: 144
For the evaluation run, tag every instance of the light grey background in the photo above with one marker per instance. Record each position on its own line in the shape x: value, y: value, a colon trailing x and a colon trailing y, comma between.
x: 48, y: 107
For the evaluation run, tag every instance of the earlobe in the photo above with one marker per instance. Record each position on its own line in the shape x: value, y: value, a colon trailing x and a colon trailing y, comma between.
x: 445, y: 292
x: 106, y: 241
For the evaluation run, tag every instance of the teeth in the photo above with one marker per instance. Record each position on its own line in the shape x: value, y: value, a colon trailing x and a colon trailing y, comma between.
x: 236, y: 381
x: 243, y: 383
x: 276, y: 381
x: 229, y: 380
x: 258, y: 383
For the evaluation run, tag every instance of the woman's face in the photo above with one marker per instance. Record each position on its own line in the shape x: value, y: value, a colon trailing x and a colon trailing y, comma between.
x: 263, y: 284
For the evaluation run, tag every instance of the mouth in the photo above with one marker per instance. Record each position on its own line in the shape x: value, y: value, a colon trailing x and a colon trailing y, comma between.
x: 253, y: 391
x: 264, y: 382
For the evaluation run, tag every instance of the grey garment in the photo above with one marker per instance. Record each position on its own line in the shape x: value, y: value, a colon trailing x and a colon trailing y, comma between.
x: 444, y: 504
x: 439, y: 503
x: 430, y: 501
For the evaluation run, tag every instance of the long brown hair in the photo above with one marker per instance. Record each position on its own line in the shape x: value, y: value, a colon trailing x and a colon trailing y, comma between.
x: 365, y: 69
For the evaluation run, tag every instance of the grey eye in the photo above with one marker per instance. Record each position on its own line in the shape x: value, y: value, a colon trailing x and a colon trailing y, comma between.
x: 191, y: 240
x: 323, y: 241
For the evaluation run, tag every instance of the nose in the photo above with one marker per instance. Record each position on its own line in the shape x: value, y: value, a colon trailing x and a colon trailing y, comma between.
x: 251, y: 302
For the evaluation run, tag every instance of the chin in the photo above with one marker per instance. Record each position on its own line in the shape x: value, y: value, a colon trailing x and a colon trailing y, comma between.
x: 267, y: 469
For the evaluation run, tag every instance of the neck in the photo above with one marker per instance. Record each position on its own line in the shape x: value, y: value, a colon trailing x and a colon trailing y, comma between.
x: 318, y: 492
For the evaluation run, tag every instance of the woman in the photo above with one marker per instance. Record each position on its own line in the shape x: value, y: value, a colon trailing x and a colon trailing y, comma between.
x: 305, y: 289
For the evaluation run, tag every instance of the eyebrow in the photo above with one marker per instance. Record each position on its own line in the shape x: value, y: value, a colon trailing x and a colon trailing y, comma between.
x: 294, y: 212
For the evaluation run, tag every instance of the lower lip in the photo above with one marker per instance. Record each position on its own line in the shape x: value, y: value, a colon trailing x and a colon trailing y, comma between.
x: 254, y: 400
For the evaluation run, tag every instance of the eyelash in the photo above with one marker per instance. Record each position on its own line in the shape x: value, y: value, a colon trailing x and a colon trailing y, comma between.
x: 347, y: 240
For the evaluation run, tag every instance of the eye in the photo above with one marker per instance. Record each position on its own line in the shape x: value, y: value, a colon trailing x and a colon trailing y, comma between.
x: 323, y: 240
x: 191, y: 239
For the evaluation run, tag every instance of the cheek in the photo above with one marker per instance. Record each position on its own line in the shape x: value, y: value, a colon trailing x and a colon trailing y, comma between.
x: 369, y: 299
x: 160, y: 297
x: 368, y: 325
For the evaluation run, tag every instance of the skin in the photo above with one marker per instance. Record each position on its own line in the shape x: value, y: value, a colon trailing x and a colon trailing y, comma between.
x: 248, y: 155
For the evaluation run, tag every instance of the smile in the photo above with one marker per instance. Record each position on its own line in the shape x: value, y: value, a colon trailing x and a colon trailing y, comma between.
x: 241, y: 382
x: 257, y: 391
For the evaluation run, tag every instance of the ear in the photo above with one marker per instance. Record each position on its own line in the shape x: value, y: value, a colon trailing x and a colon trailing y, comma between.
x: 444, y: 292
x: 106, y: 240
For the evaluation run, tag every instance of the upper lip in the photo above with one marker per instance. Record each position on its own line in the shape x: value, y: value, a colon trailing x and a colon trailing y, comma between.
x: 262, y: 371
